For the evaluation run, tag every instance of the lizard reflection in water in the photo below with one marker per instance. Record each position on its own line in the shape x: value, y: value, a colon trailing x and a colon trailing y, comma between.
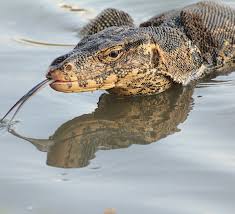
x: 116, y: 123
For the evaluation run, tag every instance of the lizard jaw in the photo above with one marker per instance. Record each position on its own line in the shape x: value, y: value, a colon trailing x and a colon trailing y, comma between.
x: 73, y: 83
x: 84, y: 85
x: 75, y: 86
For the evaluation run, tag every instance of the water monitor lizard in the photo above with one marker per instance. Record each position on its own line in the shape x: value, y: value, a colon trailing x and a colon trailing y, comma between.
x: 177, y: 46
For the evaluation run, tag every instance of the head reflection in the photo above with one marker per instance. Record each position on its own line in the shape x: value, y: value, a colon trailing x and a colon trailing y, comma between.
x: 118, y: 122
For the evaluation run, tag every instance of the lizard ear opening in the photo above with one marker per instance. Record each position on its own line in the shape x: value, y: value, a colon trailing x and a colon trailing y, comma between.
x: 155, y: 60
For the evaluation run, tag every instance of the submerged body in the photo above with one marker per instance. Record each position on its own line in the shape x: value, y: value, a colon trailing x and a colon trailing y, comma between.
x: 174, y: 47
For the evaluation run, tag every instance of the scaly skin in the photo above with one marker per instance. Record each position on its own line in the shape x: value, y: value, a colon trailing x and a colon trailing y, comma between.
x: 175, y: 47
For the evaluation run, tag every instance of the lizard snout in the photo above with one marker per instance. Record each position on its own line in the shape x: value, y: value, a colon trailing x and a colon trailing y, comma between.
x: 65, y: 78
x: 56, y: 75
x: 63, y: 73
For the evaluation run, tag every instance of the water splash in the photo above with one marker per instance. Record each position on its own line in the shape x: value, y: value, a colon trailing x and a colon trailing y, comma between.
x: 7, y: 125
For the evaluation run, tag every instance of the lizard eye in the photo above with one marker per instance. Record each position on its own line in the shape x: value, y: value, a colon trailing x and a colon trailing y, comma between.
x: 114, y: 54
x: 111, y: 55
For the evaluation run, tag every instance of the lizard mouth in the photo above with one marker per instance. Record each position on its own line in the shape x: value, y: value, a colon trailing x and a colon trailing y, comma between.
x: 77, y: 86
x: 71, y: 86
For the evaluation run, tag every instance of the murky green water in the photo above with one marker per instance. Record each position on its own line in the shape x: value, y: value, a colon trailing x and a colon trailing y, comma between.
x: 171, y: 153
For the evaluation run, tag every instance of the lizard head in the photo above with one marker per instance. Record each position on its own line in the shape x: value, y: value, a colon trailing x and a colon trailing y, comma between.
x: 119, y: 59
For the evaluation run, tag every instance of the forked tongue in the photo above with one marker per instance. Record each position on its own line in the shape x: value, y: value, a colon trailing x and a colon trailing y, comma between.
x: 18, y: 105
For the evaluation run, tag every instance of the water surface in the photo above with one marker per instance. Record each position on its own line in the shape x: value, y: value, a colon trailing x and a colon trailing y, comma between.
x: 82, y: 153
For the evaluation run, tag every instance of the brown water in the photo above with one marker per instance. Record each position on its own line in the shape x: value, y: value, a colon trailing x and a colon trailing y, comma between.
x: 169, y: 153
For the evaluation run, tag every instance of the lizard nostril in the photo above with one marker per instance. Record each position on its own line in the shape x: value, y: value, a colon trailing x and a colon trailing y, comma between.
x: 68, y: 67
x: 48, y: 75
